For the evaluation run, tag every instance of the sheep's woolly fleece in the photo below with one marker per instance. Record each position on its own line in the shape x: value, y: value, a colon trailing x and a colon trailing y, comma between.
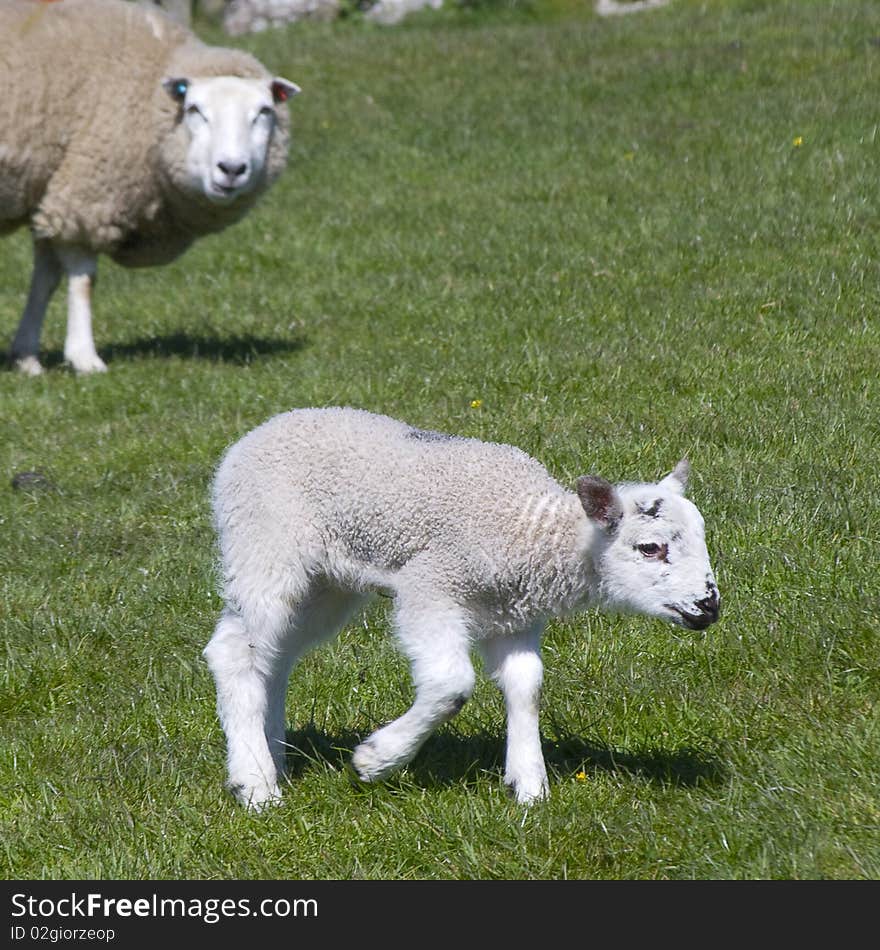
x: 89, y: 139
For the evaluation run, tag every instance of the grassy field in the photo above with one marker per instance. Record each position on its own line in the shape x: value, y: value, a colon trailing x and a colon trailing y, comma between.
x: 610, y: 242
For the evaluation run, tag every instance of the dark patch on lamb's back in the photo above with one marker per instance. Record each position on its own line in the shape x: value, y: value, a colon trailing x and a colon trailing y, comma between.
x: 429, y: 435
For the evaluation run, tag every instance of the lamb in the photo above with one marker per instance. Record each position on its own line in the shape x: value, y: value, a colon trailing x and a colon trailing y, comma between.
x: 144, y: 140
x: 318, y: 509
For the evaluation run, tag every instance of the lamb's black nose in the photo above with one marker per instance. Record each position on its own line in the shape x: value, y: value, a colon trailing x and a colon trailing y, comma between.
x: 711, y: 605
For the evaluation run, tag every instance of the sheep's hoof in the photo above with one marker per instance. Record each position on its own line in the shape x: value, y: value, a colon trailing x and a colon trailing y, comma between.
x: 84, y: 365
x: 27, y: 365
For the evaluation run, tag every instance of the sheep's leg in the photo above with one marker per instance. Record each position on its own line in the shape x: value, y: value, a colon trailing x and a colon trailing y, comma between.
x: 437, y: 642
x: 514, y: 663
x: 45, y: 277
x: 79, y: 344
x: 251, y: 660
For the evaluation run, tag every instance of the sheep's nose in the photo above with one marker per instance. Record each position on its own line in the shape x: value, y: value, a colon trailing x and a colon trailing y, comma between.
x: 232, y: 169
x: 711, y: 605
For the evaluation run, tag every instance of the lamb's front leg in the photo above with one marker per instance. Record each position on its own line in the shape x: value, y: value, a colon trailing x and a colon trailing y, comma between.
x: 514, y: 663
x: 45, y: 277
x: 437, y: 641
x: 79, y: 344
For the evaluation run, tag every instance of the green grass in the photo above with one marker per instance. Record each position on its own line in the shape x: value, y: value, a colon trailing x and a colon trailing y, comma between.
x: 604, y: 231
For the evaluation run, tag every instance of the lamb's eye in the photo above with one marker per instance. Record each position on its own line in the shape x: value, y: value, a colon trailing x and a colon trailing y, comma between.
x: 658, y: 551
x: 267, y: 112
x: 194, y: 110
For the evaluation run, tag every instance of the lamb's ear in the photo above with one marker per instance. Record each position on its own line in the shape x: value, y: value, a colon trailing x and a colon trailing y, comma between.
x: 600, y: 500
x: 283, y: 89
x: 176, y: 87
x: 676, y: 480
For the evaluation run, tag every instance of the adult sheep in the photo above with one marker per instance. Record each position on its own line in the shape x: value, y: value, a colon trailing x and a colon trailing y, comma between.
x: 122, y: 134
x: 478, y: 547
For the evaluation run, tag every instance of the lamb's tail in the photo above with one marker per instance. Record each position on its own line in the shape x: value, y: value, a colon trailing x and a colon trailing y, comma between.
x: 615, y: 7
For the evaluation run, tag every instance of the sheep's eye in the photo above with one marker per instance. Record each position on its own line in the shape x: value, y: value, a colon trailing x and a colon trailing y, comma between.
x: 267, y: 112
x: 193, y: 110
x: 652, y: 550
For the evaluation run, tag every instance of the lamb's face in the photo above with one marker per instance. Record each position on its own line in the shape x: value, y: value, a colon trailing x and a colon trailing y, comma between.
x: 652, y: 558
x: 229, y: 122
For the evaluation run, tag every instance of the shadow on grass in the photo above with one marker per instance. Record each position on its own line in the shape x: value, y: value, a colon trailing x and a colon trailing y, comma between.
x: 685, y: 767
x: 448, y: 758
x: 238, y: 350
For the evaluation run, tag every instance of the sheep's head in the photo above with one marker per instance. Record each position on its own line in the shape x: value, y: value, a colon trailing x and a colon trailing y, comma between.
x: 651, y: 555
x: 229, y: 123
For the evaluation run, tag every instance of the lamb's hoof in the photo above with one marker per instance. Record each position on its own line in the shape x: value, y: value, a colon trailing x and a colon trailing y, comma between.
x: 256, y: 798
x: 27, y: 365
x: 368, y: 765
x: 528, y: 793
x: 86, y: 363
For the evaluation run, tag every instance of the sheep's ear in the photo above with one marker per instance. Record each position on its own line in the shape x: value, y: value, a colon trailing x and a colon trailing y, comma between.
x: 676, y: 480
x: 600, y: 500
x: 283, y: 89
x: 176, y: 87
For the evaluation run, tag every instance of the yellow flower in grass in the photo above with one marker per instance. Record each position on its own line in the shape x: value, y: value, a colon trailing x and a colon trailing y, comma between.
x: 581, y: 776
x: 798, y: 141
x: 476, y: 403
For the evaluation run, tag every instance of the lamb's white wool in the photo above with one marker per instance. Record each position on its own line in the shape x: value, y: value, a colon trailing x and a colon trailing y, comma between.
x: 478, y: 546
x: 150, y: 140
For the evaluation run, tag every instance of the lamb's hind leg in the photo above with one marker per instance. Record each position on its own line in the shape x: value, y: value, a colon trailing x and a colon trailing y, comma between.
x: 317, y: 619
x: 243, y: 656
x: 251, y: 656
x: 45, y: 277
x: 437, y: 641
